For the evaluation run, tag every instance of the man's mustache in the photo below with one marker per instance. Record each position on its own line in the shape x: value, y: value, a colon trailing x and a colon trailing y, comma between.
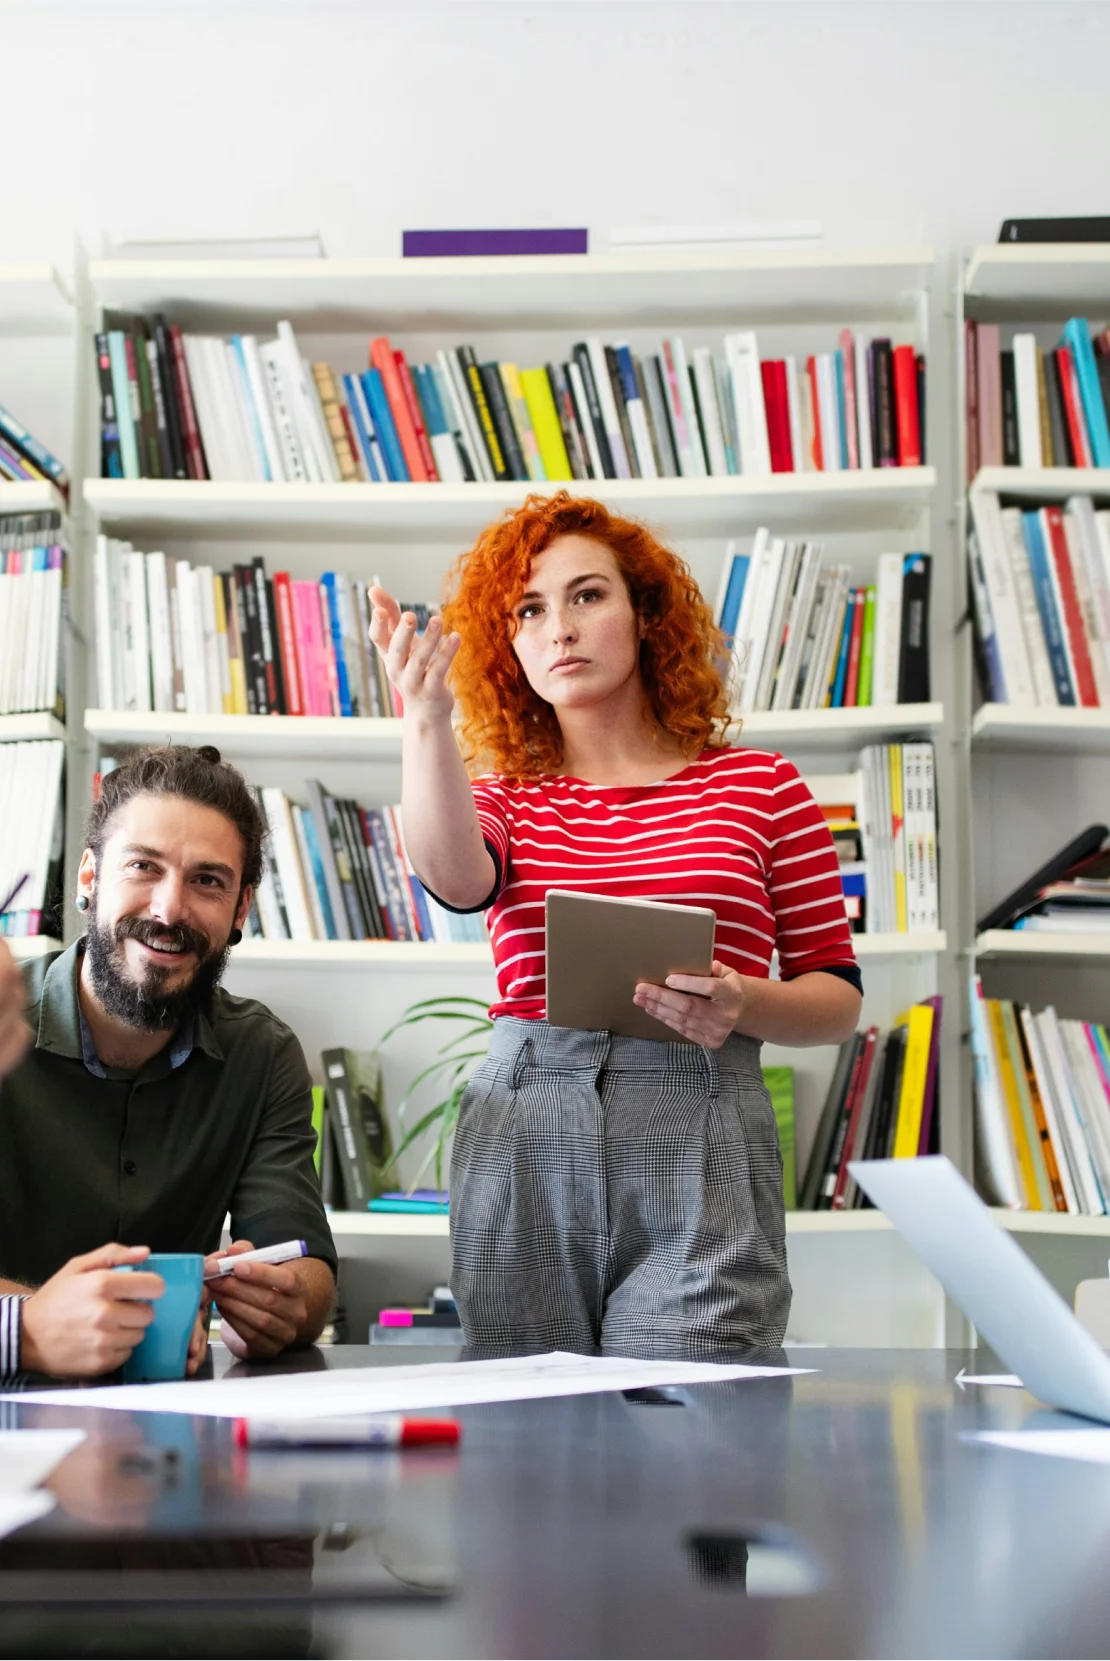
x: 178, y: 937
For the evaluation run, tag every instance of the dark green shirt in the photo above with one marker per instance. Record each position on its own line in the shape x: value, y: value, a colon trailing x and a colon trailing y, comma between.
x: 160, y: 1157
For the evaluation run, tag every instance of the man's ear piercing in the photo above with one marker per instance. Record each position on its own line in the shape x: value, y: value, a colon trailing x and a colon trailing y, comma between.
x: 82, y: 902
x: 234, y: 937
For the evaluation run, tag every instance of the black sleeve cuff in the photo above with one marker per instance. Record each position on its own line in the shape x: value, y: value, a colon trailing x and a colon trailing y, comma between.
x: 844, y: 971
x: 468, y: 910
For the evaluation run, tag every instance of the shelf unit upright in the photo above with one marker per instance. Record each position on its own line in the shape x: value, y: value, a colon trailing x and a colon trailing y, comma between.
x: 531, y: 310
x: 1034, y: 776
x: 37, y: 370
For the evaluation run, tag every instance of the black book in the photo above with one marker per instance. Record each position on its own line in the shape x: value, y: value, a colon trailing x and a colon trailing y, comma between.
x: 843, y: 1119
x: 111, y: 461
x: 573, y: 442
x: 1057, y: 426
x: 267, y: 636
x: 341, y: 860
x: 150, y: 458
x: 1094, y: 228
x: 275, y: 641
x: 1011, y: 444
x: 158, y: 397
x: 616, y: 381
x: 502, y: 417
x: 886, y: 453
x: 1102, y: 364
x: 472, y: 379
x: 360, y: 867
x: 352, y: 1152
x: 352, y: 1080
x: 700, y: 420
x: 254, y: 668
x: 890, y: 1089
x: 873, y: 400
x: 582, y: 423
x: 913, y: 650
x: 581, y: 356
x: 1081, y: 847
x: 174, y: 424
x: 920, y: 362
x: 826, y: 1125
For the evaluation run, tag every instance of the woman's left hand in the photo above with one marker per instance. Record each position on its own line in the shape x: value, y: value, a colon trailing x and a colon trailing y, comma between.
x: 703, y: 1008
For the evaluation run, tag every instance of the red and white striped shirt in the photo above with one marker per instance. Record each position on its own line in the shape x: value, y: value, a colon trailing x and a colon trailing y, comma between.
x: 737, y: 831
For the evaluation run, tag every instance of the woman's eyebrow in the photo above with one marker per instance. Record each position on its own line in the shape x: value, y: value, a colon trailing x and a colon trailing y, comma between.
x: 587, y: 577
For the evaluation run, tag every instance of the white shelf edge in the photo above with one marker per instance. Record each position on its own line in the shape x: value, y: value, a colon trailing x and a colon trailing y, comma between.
x: 900, y: 945
x: 394, y: 955
x: 1053, y: 483
x: 1059, y: 1223
x: 1004, y: 726
x: 1037, y: 943
x: 991, y: 259
x: 30, y: 495
x: 28, y: 946
x: 35, y: 725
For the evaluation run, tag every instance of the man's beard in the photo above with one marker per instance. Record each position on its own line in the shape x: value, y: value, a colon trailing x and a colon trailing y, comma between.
x: 148, y: 1005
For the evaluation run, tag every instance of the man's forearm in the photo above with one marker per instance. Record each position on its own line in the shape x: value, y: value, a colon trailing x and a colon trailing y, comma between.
x: 318, y: 1286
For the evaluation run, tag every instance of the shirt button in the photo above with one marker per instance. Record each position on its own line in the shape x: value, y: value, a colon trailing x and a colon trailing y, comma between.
x: 129, y: 1167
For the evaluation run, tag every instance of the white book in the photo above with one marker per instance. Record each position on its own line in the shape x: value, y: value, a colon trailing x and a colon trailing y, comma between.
x: 250, y: 424
x: 863, y: 403
x: 888, y: 630
x: 1028, y: 400
x: 1087, y: 608
x: 797, y: 624
x: 206, y: 605
x: 319, y: 926
x: 794, y: 413
x: 140, y: 631
x: 608, y: 403
x: 232, y: 391
x: 695, y: 450
x: 770, y: 568
x: 296, y: 384
x: 192, y: 640
x: 707, y: 398
x: 1083, y: 1172
x: 213, y: 359
x: 30, y: 647
x: 814, y: 630
x: 828, y: 412
x: 257, y: 378
x: 102, y: 600
x: 776, y: 628
x: 8, y: 579
x: 283, y: 841
x: 931, y: 874
x: 445, y: 453
x: 742, y: 357
x: 826, y: 644
x: 1047, y: 1093
x: 741, y: 649
x: 453, y: 369
x: 272, y: 357
x: 1090, y: 1099
x: 452, y: 414
x: 1081, y: 509
x: 578, y: 387
x: 995, y: 1140
x: 1009, y: 634
x: 1044, y: 686
x: 20, y: 623
x: 161, y: 638
x: 52, y: 680
x: 913, y: 837
x: 219, y: 464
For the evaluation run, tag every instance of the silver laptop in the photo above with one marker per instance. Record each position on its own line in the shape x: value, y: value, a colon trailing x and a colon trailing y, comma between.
x: 1010, y: 1303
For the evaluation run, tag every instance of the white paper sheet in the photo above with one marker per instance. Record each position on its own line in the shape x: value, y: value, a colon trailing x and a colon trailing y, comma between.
x: 27, y: 1457
x: 1008, y: 1381
x: 18, y: 1509
x: 401, y: 1389
x: 1092, y: 1445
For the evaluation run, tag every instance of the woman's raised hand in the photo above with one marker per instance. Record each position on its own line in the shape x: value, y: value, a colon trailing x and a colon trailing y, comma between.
x: 417, y: 665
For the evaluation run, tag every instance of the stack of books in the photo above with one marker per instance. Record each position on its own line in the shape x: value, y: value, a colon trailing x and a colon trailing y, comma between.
x: 1040, y: 584
x: 1026, y: 407
x: 804, y: 637
x: 354, y: 1145
x: 34, y: 612
x: 1070, y: 894
x: 196, y: 406
x: 1042, y: 1099
x: 884, y: 826
x: 32, y: 825
x: 882, y: 1104
x: 339, y: 871
x: 176, y: 637
x: 24, y: 459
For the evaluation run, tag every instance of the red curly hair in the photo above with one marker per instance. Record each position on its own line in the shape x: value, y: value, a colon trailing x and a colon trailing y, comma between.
x: 507, y: 727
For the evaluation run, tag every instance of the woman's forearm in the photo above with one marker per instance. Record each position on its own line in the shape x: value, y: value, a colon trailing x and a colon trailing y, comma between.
x: 813, y: 1009
x: 442, y: 832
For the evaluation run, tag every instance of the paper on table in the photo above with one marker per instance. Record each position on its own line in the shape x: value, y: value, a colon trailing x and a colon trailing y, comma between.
x: 402, y: 1389
x: 1009, y: 1381
x: 1092, y: 1445
x: 27, y: 1457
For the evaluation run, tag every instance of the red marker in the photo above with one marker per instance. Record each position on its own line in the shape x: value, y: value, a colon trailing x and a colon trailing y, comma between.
x: 384, y: 1430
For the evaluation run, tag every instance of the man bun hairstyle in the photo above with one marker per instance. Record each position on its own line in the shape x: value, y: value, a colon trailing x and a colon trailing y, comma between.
x: 196, y: 775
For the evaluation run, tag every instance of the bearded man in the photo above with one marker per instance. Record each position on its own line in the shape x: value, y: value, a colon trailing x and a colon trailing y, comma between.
x: 151, y: 1104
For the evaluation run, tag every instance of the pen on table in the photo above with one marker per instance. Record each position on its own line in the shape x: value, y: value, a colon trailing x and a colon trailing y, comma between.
x: 7, y: 905
x: 265, y: 1254
x: 383, y: 1430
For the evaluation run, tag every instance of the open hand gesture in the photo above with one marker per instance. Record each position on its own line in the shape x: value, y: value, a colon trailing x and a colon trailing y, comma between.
x: 416, y: 665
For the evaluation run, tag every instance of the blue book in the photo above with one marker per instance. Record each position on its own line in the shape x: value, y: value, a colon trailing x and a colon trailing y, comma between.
x: 121, y: 391
x: 16, y: 433
x: 841, y: 676
x: 426, y: 390
x: 427, y: 1202
x: 313, y: 845
x: 734, y: 593
x: 996, y: 675
x: 380, y: 414
x: 246, y: 398
x: 328, y: 581
x: 1046, y: 605
x: 420, y: 906
x: 1078, y: 337
x: 842, y: 408
x: 364, y: 426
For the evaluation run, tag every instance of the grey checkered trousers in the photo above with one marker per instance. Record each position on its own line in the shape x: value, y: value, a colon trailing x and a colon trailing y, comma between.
x: 617, y: 1194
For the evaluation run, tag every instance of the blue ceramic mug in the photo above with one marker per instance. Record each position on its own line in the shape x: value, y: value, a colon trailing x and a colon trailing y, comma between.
x: 163, y: 1349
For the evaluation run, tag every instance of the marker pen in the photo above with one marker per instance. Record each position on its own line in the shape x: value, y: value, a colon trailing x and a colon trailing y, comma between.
x: 265, y: 1254
x: 385, y: 1430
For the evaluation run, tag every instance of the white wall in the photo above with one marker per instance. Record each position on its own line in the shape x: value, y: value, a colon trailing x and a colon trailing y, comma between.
x: 885, y: 121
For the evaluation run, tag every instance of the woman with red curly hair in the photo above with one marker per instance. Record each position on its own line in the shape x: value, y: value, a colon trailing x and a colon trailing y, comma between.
x: 613, y: 1193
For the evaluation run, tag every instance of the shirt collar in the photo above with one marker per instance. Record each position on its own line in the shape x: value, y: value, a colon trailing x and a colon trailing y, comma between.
x: 64, y: 1031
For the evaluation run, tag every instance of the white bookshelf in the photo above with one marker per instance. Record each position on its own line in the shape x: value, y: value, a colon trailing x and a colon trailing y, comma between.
x: 30, y: 497
x: 1081, y: 732
x: 1044, y: 484
x: 1037, y: 281
x: 34, y: 300
x: 1043, y: 946
x: 36, y: 724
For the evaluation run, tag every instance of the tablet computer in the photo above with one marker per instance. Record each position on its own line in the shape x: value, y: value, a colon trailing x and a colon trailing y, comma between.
x: 599, y: 948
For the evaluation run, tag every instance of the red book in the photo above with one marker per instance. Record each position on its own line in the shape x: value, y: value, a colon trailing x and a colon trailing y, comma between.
x: 905, y: 405
x: 867, y: 1060
x: 971, y: 397
x: 417, y: 416
x: 1073, y: 410
x: 815, y: 411
x: 194, y: 449
x: 773, y: 373
x: 382, y: 358
x: 851, y: 411
x: 287, y: 639
x: 851, y: 683
x: 1073, y: 615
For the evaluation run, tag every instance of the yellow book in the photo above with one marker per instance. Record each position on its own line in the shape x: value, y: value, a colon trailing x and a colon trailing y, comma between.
x: 1011, y: 1097
x: 918, y: 1023
x: 227, y: 696
x: 1045, y: 1201
x: 522, y: 421
x: 545, y: 420
x: 898, y: 831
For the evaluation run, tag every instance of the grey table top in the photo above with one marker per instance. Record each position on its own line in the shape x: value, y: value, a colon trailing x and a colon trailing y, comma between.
x: 837, y: 1513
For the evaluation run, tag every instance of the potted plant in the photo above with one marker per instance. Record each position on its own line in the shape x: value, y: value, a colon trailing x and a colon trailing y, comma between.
x: 455, y: 1061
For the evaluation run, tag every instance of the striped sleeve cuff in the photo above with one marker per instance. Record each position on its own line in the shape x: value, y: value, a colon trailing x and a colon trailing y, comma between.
x: 10, y: 1321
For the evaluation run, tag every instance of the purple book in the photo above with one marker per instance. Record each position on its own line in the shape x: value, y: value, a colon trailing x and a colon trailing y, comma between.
x: 930, y: 1076
x: 449, y: 244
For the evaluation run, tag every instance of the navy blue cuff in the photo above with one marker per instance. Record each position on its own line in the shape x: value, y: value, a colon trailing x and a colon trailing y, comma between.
x: 844, y: 971
x: 468, y: 910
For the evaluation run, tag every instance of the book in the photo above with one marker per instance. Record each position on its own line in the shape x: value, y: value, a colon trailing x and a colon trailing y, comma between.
x: 352, y: 1079
x: 31, y: 827
x: 478, y: 244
